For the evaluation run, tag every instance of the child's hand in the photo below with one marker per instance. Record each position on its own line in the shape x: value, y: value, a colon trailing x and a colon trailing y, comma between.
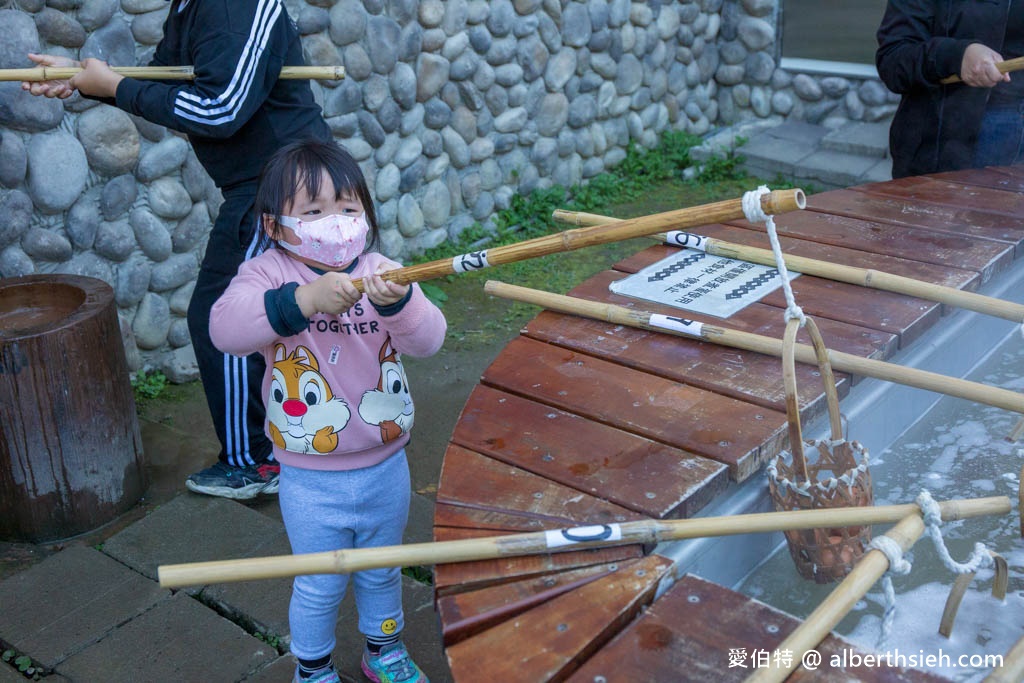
x: 381, y: 291
x: 331, y: 293
x: 60, y: 89
x: 96, y: 79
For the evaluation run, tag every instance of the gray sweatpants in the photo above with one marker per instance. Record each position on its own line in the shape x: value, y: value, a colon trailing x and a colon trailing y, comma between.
x: 326, y: 511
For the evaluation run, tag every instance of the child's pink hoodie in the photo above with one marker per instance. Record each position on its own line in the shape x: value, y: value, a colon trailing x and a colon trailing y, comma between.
x: 336, y: 393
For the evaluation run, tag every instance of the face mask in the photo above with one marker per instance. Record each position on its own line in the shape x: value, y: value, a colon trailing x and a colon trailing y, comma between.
x: 332, y: 240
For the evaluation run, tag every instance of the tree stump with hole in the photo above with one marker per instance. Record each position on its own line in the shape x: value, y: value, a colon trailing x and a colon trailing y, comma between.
x: 71, y: 455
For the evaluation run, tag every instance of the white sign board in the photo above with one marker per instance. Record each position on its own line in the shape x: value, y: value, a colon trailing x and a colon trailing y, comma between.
x: 699, y: 282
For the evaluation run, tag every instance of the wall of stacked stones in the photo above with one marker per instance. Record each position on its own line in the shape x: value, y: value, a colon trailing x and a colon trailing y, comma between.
x: 452, y: 107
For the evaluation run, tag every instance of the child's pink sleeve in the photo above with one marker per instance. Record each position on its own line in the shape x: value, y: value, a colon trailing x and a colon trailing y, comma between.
x: 238, y: 321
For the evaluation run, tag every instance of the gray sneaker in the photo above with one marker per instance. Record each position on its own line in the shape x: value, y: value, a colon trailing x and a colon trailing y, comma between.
x: 237, y: 483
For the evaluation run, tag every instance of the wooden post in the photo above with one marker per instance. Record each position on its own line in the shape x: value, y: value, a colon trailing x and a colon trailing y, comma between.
x: 70, y: 451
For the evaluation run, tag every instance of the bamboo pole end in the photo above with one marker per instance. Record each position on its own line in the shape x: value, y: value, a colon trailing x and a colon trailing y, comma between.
x: 782, y: 201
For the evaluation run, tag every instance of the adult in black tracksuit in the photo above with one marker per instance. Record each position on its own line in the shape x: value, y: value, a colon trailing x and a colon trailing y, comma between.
x: 970, y: 124
x: 236, y: 113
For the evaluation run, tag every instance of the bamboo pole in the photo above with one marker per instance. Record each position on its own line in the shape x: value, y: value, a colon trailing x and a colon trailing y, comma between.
x: 845, y: 362
x: 179, y: 73
x: 557, y: 540
x: 1012, y: 668
x: 832, y: 609
x: 775, y: 202
x: 1007, y: 66
x: 833, y: 271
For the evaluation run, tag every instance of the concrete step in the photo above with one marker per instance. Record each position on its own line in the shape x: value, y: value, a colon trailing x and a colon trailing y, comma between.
x: 864, y: 139
x: 815, y: 157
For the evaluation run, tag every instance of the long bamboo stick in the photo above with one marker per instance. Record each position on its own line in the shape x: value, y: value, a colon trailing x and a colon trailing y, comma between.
x: 178, y: 73
x: 1005, y: 67
x: 1012, y: 668
x: 775, y: 202
x: 679, y: 326
x: 840, y: 601
x: 864, y: 277
x: 558, y: 540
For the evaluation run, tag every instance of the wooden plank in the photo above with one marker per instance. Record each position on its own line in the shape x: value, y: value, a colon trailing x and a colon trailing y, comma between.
x: 756, y: 318
x: 945, y: 249
x: 471, y: 480
x: 553, y: 638
x: 1017, y: 170
x: 937, y: 217
x: 466, y: 614
x: 693, y: 628
x: 745, y: 375
x: 929, y: 272
x: 738, y: 434
x: 459, y: 577
x: 928, y: 189
x: 634, y: 472
x: 984, y: 177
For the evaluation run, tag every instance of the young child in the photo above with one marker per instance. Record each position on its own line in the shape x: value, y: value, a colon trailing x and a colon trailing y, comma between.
x: 337, y: 398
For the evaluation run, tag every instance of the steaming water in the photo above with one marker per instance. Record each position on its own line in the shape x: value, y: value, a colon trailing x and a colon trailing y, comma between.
x: 958, y: 450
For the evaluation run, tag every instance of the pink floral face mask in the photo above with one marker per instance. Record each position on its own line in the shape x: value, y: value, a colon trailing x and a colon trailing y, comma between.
x: 332, y: 240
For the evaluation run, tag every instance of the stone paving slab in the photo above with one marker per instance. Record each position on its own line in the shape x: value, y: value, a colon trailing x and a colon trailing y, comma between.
x: 178, y: 640
x: 776, y: 153
x: 798, y: 131
x: 194, y: 528
x: 69, y: 601
x: 835, y: 168
x: 865, y: 139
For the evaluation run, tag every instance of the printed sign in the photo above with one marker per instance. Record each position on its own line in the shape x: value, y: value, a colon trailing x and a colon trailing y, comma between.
x: 699, y: 282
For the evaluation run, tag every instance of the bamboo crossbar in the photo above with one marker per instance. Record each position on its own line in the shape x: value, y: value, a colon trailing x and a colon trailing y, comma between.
x: 844, y: 362
x: 176, y: 73
x: 1012, y: 668
x: 838, y: 604
x: 557, y: 540
x: 864, y: 277
x: 1009, y: 65
x: 775, y: 202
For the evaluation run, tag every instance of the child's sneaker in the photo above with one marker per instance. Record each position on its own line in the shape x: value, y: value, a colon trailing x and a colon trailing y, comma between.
x: 326, y: 675
x: 238, y: 483
x: 392, y: 665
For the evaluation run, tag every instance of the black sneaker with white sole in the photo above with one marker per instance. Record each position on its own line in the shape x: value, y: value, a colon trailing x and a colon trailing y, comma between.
x: 238, y: 483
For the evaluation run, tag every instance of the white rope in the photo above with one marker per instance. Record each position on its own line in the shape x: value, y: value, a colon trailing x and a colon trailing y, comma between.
x: 755, y: 214
x: 932, y: 514
x: 897, y: 565
x: 980, y: 557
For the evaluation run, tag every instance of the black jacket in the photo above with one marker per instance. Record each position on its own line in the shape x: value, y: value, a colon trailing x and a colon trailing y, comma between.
x: 919, y: 43
x: 236, y: 112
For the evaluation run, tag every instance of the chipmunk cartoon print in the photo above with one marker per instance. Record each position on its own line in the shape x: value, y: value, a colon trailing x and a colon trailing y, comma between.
x: 389, y: 405
x: 303, y: 413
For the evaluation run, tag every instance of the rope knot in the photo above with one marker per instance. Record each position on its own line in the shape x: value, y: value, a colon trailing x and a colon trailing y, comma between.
x: 755, y: 214
x: 893, y: 552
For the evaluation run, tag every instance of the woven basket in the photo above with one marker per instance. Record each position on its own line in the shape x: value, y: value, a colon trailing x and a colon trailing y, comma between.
x: 835, y: 475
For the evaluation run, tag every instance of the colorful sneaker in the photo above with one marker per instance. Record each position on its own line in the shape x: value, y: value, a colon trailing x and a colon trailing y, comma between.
x: 238, y: 483
x: 326, y: 675
x: 392, y: 665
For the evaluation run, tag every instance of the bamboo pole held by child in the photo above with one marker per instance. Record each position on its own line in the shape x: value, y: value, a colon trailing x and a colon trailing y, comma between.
x: 174, y: 73
x: 679, y: 326
x: 837, y: 605
x: 556, y: 540
x: 775, y: 202
x: 864, y: 277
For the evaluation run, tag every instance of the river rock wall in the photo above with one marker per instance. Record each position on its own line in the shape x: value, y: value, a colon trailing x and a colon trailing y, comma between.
x: 452, y: 107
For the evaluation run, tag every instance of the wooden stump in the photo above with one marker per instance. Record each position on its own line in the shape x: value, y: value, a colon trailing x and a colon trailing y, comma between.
x: 70, y: 451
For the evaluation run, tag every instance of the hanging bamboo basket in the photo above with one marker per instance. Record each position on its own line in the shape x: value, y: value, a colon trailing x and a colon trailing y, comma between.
x: 834, y: 475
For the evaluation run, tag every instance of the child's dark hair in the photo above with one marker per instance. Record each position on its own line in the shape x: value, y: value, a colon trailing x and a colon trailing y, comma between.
x: 302, y: 164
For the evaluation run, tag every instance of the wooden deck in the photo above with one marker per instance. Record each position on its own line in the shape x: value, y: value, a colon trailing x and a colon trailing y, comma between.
x: 581, y: 422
